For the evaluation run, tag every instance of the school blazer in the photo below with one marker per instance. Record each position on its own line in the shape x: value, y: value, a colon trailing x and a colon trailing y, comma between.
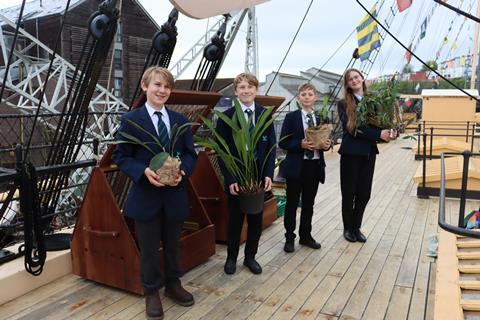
x: 145, y: 201
x: 363, y: 143
x: 267, y: 142
x: 292, y: 135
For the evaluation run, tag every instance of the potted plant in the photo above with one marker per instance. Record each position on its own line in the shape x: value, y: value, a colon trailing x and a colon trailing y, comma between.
x: 240, y: 161
x: 321, y: 132
x: 166, y: 164
x: 379, y: 107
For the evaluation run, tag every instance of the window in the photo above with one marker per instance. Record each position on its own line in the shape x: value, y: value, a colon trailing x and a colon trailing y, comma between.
x: 117, y: 59
x: 119, y: 33
x: 117, y: 87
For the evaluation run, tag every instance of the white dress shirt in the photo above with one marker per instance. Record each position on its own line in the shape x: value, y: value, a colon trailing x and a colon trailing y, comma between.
x: 154, y: 117
x: 316, y: 153
x: 244, y: 108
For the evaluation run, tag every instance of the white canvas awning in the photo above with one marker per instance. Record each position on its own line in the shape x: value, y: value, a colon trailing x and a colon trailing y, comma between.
x: 200, y: 9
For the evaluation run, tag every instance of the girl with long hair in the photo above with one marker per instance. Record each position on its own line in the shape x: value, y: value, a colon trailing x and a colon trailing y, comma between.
x: 358, y: 152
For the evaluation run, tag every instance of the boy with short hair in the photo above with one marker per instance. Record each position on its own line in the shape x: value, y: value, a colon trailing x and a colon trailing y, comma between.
x: 304, y: 168
x: 246, y: 87
x: 159, y: 210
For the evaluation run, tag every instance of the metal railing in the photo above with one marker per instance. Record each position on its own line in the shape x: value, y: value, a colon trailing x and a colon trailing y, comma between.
x: 467, y: 127
x: 424, y: 138
x: 460, y: 228
x: 15, y: 128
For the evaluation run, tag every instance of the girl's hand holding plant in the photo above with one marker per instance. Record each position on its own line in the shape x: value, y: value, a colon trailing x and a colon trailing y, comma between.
x: 326, y: 144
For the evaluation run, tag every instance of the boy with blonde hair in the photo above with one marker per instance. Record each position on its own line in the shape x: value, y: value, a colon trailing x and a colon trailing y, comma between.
x: 246, y: 87
x: 158, y: 209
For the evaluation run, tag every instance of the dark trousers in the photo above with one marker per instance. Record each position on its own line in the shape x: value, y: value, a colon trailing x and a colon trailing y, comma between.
x: 356, y: 176
x: 149, y: 234
x: 235, y: 224
x: 307, y: 185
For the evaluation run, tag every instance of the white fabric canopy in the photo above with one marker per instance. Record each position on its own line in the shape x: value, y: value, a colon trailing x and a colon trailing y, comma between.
x: 200, y: 9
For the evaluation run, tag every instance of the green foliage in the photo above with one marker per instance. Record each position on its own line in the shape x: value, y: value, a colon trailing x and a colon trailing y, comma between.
x: 432, y: 64
x: 408, y: 87
x: 379, y: 107
x: 242, y: 166
x: 322, y: 113
x: 158, y: 159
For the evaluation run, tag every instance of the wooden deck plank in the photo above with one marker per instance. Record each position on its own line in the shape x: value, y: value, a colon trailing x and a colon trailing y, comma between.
x: 406, y: 275
x: 340, y: 281
x: 399, y: 309
x: 51, y: 298
x: 422, y: 275
x: 339, y: 298
x: 379, y: 300
x: 430, y: 312
x: 367, y: 283
x: 35, y: 297
x: 287, y: 308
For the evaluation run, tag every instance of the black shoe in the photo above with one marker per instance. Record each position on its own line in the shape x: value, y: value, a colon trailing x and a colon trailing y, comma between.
x: 310, y: 243
x: 289, y: 246
x: 252, y: 265
x: 349, y: 236
x: 230, y: 266
x: 360, y: 236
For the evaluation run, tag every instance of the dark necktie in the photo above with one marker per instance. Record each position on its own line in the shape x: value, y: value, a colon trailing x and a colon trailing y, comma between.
x: 162, y: 131
x: 309, y: 153
x: 249, y: 112
x: 310, y: 120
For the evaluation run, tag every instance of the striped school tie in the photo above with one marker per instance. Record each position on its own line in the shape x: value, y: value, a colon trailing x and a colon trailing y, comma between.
x: 162, y: 130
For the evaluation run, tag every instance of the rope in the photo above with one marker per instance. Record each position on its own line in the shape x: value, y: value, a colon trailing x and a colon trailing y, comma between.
x: 463, y: 13
x: 289, y: 47
x: 10, y: 55
x: 413, y: 54
x: 50, y: 67
x: 34, y: 248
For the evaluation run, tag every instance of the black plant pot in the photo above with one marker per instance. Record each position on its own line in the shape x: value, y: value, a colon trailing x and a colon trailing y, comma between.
x: 251, y: 203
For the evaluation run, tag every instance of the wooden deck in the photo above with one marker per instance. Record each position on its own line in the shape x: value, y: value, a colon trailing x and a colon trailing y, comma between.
x: 388, y: 277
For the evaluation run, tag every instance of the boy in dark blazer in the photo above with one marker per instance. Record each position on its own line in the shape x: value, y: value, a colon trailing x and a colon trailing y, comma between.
x: 304, y: 168
x: 246, y: 86
x: 159, y: 210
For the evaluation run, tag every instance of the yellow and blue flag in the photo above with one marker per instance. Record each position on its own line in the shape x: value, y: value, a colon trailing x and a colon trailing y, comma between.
x: 368, y: 36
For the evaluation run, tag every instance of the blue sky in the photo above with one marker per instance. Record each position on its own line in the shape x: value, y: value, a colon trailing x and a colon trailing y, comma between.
x: 327, y: 25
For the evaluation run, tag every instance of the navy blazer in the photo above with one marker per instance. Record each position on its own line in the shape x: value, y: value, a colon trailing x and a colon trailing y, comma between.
x: 145, y: 201
x: 292, y: 130
x: 363, y: 143
x: 267, y: 142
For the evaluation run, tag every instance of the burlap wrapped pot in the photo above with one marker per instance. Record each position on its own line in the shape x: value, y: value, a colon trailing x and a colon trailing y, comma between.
x: 318, y: 134
x: 169, y: 171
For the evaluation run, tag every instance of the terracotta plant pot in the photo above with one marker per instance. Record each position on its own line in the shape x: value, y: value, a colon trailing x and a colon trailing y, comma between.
x: 251, y: 203
x: 318, y: 134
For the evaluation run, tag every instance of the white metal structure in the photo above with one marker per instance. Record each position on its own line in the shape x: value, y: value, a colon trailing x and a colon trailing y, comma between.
x: 26, y: 79
x: 251, y: 54
x: 251, y: 59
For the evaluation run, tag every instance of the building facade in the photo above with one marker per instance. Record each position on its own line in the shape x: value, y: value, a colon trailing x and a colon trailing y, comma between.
x: 120, y: 75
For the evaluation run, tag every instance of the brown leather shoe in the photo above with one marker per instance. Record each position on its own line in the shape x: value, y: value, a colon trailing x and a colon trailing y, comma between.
x: 179, y: 295
x: 153, y: 307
